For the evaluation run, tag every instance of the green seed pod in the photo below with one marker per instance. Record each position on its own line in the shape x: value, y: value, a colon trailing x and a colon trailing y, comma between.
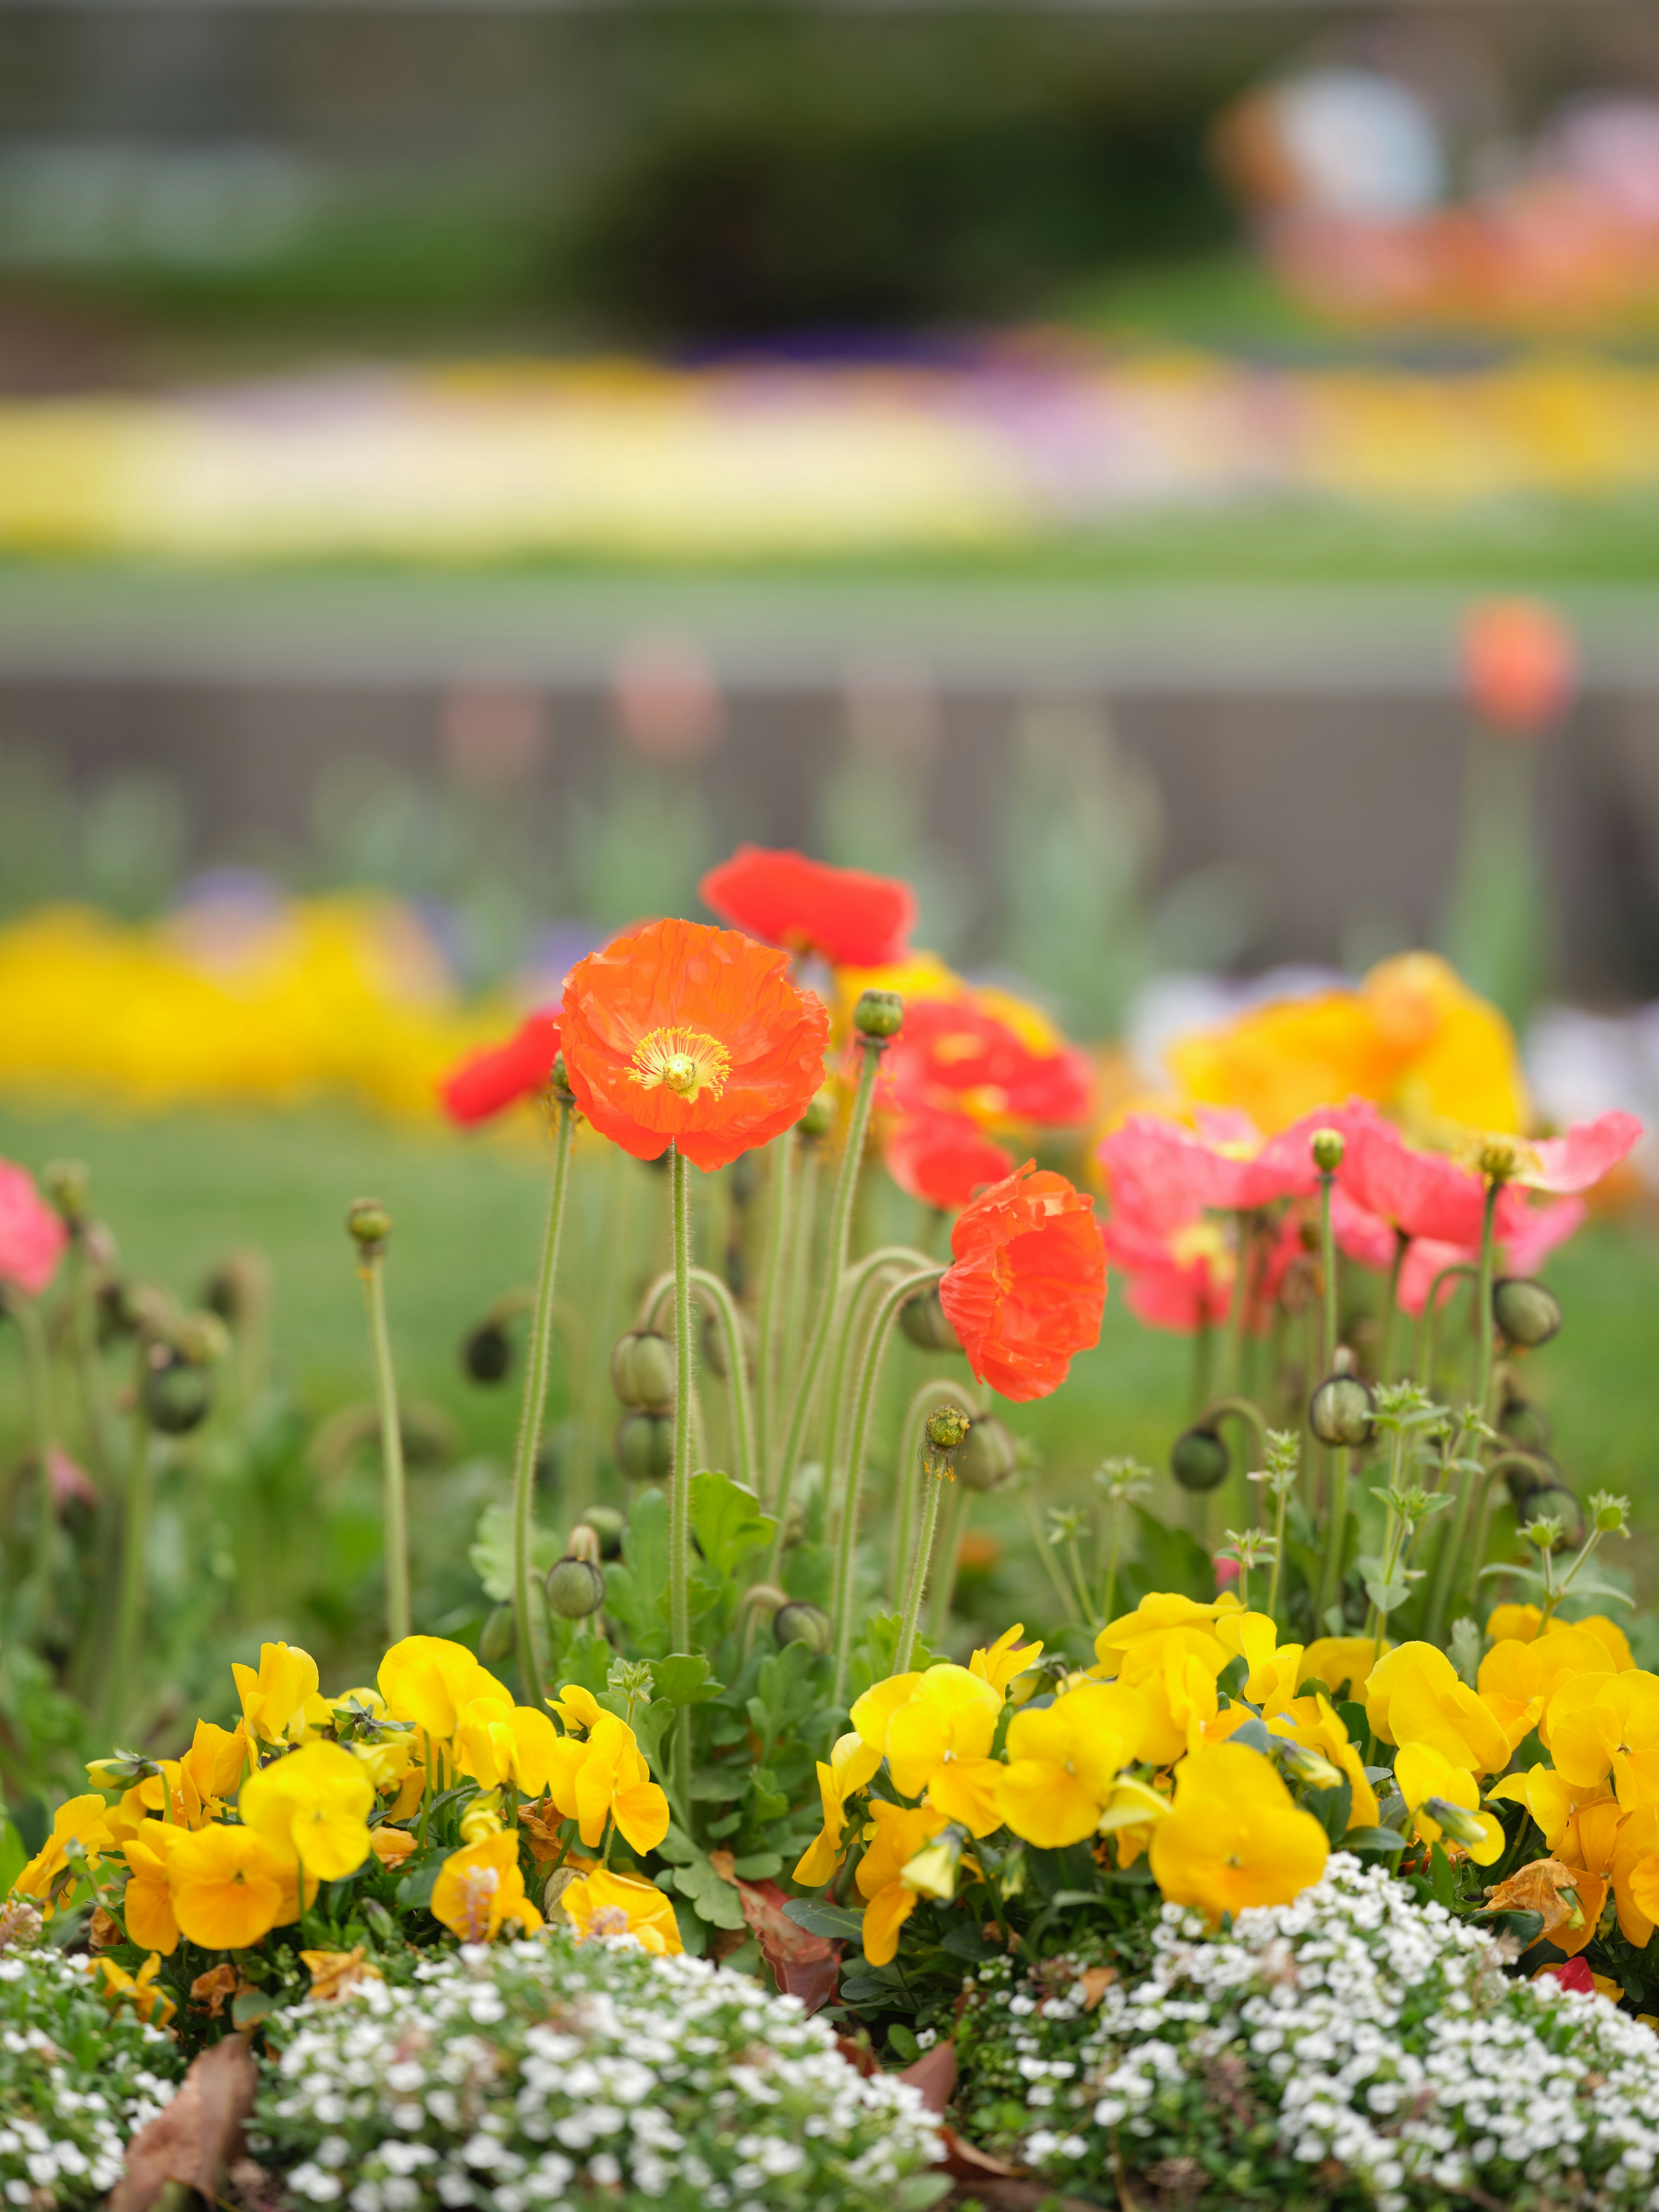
x: 642, y: 1370
x: 819, y: 1118
x: 644, y: 1445
x: 575, y: 1588
x: 1558, y: 1504
x: 609, y: 1526
x: 1342, y: 1412
x: 1526, y: 1426
x: 989, y: 1458
x: 1199, y: 1459
x: 368, y: 1222
x: 499, y: 1637
x: 486, y: 1352
x: 947, y: 1428
x: 801, y: 1623
x: 1527, y: 1312
x: 879, y: 1014
x: 922, y: 1319
x: 68, y: 1184
x: 178, y: 1395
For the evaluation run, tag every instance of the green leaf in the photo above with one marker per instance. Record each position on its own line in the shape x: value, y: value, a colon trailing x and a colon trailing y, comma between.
x: 650, y: 1724
x: 716, y: 1901
x: 14, y: 1855
x: 645, y: 1547
x: 821, y: 1919
x: 1442, y: 1879
x: 250, y: 2007
x: 415, y: 1890
x: 727, y: 1520
x: 1521, y: 1574
x: 1593, y: 1586
x: 1387, y: 1595
x: 758, y: 1866
x: 865, y: 1990
x: 492, y: 1551
x: 900, y: 2039
x: 1373, y: 1839
x: 682, y: 1679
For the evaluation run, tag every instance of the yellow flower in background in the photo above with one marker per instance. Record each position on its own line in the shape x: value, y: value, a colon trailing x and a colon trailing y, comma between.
x: 601, y: 1903
x: 83, y: 1820
x: 852, y: 1762
x: 500, y: 1744
x: 897, y: 1833
x: 1550, y: 1798
x: 274, y: 1699
x: 1064, y: 1762
x: 1342, y: 1663
x: 1234, y: 1836
x: 1514, y: 1623
x: 938, y: 1745
x: 146, y: 1901
x: 480, y: 1890
x: 1608, y: 1724
x: 150, y: 2003
x: 230, y: 1887
x: 1415, y: 1695
x: 1608, y: 1633
x: 1425, y: 1778
x: 430, y: 1681
x: 312, y: 1806
x: 1000, y: 1662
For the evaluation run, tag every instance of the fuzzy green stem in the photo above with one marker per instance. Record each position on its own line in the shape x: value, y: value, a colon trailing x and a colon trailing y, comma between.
x: 533, y: 1407
x: 1488, y: 1483
x: 129, y: 1600
x: 774, y: 1273
x: 1108, y: 1588
x: 852, y: 1346
x: 1239, y: 1409
x: 1280, y: 1504
x: 679, y: 1487
x: 1336, y: 1502
x: 741, y: 1403
x: 950, y: 1543
x: 1429, y: 1328
x: 1045, y: 1551
x: 394, y: 1509
x: 1391, y: 1309
x: 937, y: 1390
x: 919, y: 1567
x: 1452, y: 1547
x: 37, y: 1367
x: 804, y: 1234
x: 1232, y: 1333
x: 1486, y: 1322
x: 1327, y: 1271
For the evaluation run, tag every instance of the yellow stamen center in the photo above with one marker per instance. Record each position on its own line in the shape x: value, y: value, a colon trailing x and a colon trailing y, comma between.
x: 689, y: 1061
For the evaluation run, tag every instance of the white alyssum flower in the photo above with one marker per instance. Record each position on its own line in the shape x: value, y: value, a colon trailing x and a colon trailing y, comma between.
x: 1353, y: 2029
x: 536, y: 2076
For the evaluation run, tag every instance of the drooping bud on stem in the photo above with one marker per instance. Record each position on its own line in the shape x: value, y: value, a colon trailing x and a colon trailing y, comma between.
x: 1199, y: 1458
x: 1526, y: 1311
x: 797, y: 1622
x: 1342, y: 1412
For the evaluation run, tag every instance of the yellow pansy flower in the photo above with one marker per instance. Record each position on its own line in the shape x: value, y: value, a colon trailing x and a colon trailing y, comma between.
x: 1608, y: 1633
x: 1635, y: 1872
x: 1514, y: 1623
x: 146, y: 1901
x: 1000, y: 1662
x: 230, y: 1887
x: 1234, y: 1836
x: 1602, y: 1724
x: 939, y: 1744
x: 431, y: 1681
x: 1342, y: 1663
x: 601, y: 1903
x: 852, y: 1762
x: 1424, y: 1775
x: 605, y: 1777
x: 498, y: 1744
x: 897, y: 1833
x: 1518, y: 1679
x: 1064, y: 1761
x: 1314, y: 1723
x: 1275, y: 1675
x: 480, y: 1890
x: 1157, y: 1612
x: 1550, y: 1798
x: 274, y: 1698
x: 312, y: 1806
x: 149, y: 2004
x: 576, y: 1707
x: 82, y: 1820
x: 1416, y: 1696
x: 871, y: 1713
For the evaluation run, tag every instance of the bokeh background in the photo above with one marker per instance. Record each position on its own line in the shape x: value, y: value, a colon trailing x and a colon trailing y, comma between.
x: 464, y: 467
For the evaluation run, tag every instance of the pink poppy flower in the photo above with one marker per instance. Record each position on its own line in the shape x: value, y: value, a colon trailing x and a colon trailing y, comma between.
x: 1525, y: 1236
x: 1162, y: 1169
x: 1179, y: 1278
x: 1589, y: 1150
x: 32, y: 1236
x: 1423, y: 1194
x: 944, y: 1159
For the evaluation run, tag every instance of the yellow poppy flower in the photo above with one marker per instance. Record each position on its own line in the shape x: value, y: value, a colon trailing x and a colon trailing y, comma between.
x: 1234, y: 1837
x: 430, y: 1681
x: 605, y: 1904
x: 938, y: 1745
x: 480, y: 1890
x: 1342, y: 1663
x: 498, y: 1744
x: 1000, y: 1662
x: 605, y: 1777
x: 1514, y: 1623
x: 230, y: 1887
x: 83, y: 1820
x: 146, y: 1901
x: 576, y: 1707
x: 1064, y: 1761
x: 1602, y: 1724
x: 274, y: 1699
x: 852, y: 1762
x: 1415, y: 1696
x: 149, y: 2004
x: 897, y: 1833
x: 1550, y: 1798
x: 1424, y: 1775
x: 312, y: 1806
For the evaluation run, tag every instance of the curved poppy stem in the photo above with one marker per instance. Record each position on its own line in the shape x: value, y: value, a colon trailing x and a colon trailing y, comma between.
x: 1336, y: 1502
x: 774, y: 1267
x: 533, y: 1407
x: 1391, y: 1309
x: 919, y: 1567
x: 129, y: 1598
x: 841, y: 1234
x: 679, y: 1484
x: 881, y: 1331
x: 1238, y: 1408
x: 854, y: 1291
x: 1452, y: 1547
x: 1232, y: 1334
x: 1494, y: 1469
x: 950, y: 1543
x: 1429, y: 1328
x: 937, y: 1390
x: 721, y: 1304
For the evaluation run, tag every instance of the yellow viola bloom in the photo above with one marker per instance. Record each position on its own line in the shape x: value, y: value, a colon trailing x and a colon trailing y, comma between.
x: 1159, y: 1611
x: 1608, y: 1633
x: 500, y: 1744
x: 1515, y: 1623
x: 1234, y: 1836
x: 1422, y: 1774
x: 1602, y: 1724
x: 149, y: 2004
x: 1064, y: 1761
x: 852, y: 1762
x: 1000, y: 1662
x: 274, y: 1698
x: 577, y: 1708
x: 601, y: 1903
x: 1550, y: 1798
x: 313, y: 1806
x: 1314, y: 1723
x: 1174, y: 1673
x: 605, y: 1777
x: 480, y: 1890
x: 938, y: 1745
x: 1635, y: 1872
x: 1518, y: 1678
x: 230, y: 1887
x: 1416, y: 1696
x: 146, y: 1901
x: 1342, y: 1663
x: 430, y: 1681
x: 83, y: 1820
x: 1275, y: 1675
x: 897, y: 1833
x: 871, y: 1713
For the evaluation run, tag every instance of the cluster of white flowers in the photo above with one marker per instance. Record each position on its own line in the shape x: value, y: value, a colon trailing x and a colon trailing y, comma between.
x: 1355, y: 2027
x: 529, y: 2076
x: 75, y: 2082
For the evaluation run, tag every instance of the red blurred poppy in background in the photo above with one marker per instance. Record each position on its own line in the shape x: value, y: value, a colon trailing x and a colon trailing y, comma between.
x: 486, y: 1083
x: 855, y: 919
x: 943, y: 1159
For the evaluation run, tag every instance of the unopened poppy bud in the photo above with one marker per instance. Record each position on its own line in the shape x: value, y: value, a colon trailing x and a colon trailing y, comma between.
x: 177, y: 1393
x: 609, y: 1526
x: 947, y: 1428
x: 238, y: 1289
x: 1327, y: 1149
x: 642, y: 1370
x: 1342, y: 1412
x: 1460, y: 1824
x: 584, y: 1544
x: 932, y: 1871
x: 714, y: 1345
x: 989, y: 1458
x: 487, y: 1353
x: 575, y: 1588
x: 1526, y: 1426
x: 922, y: 1318
x: 819, y: 1118
x: 499, y: 1637
x: 1526, y: 1311
x: 797, y: 1622
x: 879, y: 1014
x: 1199, y: 1459
x: 644, y: 1445
x: 201, y: 1338
x: 369, y: 1223
x: 67, y: 1183
x: 119, y: 1311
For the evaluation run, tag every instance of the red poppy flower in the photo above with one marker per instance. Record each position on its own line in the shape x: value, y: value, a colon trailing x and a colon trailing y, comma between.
x: 685, y: 1035
x: 488, y: 1082
x: 1028, y: 1282
x: 855, y: 919
x: 954, y: 1057
x: 943, y: 1158
x: 1520, y: 665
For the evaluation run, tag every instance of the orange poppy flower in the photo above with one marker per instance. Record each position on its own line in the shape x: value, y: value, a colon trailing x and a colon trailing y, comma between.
x: 855, y: 919
x: 683, y: 1035
x: 486, y: 1083
x: 1028, y: 1282
x: 943, y: 1158
x: 1520, y: 664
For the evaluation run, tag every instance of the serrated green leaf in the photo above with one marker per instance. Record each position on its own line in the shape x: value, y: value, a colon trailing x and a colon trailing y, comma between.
x: 492, y: 1551
x: 727, y: 1520
x: 644, y: 1548
x: 415, y: 1890
x: 758, y: 1866
x: 683, y: 1680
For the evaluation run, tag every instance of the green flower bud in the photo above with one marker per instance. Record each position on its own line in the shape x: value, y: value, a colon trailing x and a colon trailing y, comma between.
x: 642, y: 1370
x: 644, y: 1445
x: 368, y: 1222
x: 487, y: 1353
x: 1526, y: 1426
x: 1527, y: 1312
x: 609, y: 1526
x: 879, y: 1014
x: 714, y: 1345
x: 1524, y: 1483
x: 801, y: 1623
x: 1610, y: 1515
x: 575, y: 1588
x: 819, y: 1118
x: 1199, y: 1459
x: 499, y: 1637
x: 68, y: 1184
x: 1327, y: 1149
x: 1459, y: 1823
x: 178, y: 1395
x: 1342, y: 1412
x: 1559, y: 1506
x: 990, y: 1457
x: 932, y: 1871
x: 947, y: 1428
x: 922, y: 1318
